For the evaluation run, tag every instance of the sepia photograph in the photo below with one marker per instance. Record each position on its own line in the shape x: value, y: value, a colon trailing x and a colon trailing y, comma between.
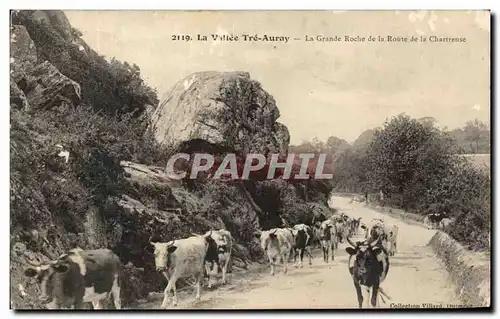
x: 250, y: 160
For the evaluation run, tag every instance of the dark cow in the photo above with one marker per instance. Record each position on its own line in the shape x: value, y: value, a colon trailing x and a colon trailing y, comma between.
x: 77, y: 277
x: 355, y: 225
x: 303, y: 236
x: 368, y: 265
x: 434, y: 219
x: 218, y: 253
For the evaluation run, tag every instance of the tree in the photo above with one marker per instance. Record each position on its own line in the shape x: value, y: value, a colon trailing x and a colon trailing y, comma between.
x: 474, y: 132
x: 335, y: 144
x: 406, y: 157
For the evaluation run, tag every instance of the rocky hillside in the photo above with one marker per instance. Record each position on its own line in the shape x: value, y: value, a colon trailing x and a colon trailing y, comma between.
x: 111, y: 190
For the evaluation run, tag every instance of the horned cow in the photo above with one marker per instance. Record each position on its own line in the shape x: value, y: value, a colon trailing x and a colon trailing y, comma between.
x: 392, y: 239
x: 181, y: 258
x: 368, y: 265
x: 303, y: 235
x: 277, y: 244
x: 77, y: 277
x: 328, y: 237
x: 218, y: 253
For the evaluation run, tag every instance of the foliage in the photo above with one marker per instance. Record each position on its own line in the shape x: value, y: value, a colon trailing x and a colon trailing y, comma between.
x: 114, y: 88
x: 473, y: 138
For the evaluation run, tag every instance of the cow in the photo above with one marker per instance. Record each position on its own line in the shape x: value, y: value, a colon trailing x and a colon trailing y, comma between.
x: 303, y: 236
x: 434, y: 219
x: 77, y: 277
x: 392, y: 239
x: 340, y: 229
x: 182, y: 258
x: 376, y: 229
x: 445, y: 222
x: 368, y: 265
x: 328, y: 237
x: 277, y: 243
x: 357, y: 199
x: 316, y: 242
x: 355, y: 225
x: 218, y: 253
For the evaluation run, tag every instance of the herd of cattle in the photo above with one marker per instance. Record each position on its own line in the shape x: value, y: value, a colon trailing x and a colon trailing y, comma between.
x: 95, y: 275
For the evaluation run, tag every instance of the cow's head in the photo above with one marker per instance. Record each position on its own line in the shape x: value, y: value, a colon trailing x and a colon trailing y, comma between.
x: 266, y: 236
x: 162, y: 252
x: 365, y: 258
x: 218, y: 241
x: 50, y: 277
x: 325, y: 229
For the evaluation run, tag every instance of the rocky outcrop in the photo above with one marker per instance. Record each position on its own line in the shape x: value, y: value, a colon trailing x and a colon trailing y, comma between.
x: 469, y: 271
x: 34, y: 83
x: 227, y: 109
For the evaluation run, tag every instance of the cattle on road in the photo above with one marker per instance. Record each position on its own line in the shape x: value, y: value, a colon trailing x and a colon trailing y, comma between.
x: 328, y: 238
x: 392, y: 238
x: 303, y: 235
x: 218, y: 253
x: 316, y: 242
x: 368, y: 265
x: 182, y: 258
x: 277, y: 244
x: 77, y: 277
x: 433, y: 220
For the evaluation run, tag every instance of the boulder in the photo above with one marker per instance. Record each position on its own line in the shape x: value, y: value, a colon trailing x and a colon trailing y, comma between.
x: 227, y: 109
x: 46, y: 87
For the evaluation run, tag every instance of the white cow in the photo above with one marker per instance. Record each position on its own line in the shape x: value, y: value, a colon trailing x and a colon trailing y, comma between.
x: 392, y: 238
x: 277, y: 243
x: 328, y: 238
x: 181, y: 258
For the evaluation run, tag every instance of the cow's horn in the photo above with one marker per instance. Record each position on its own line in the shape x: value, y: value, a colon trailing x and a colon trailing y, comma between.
x: 275, y: 231
x: 173, y: 241
x: 374, y: 243
x: 350, y: 242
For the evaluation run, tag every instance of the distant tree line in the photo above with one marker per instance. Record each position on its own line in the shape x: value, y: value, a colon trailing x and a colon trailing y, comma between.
x: 412, y: 162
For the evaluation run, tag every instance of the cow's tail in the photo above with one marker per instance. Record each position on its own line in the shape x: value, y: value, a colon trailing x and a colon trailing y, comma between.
x: 309, y: 253
x: 383, y: 294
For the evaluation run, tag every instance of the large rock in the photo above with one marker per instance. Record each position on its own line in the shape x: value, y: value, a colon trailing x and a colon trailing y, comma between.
x: 46, y: 87
x: 228, y: 109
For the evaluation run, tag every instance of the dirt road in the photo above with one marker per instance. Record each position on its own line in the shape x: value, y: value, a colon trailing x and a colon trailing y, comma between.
x: 416, y: 278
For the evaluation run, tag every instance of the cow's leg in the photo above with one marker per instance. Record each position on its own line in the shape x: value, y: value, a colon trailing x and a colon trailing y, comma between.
x: 360, y: 295
x: 395, y: 247
x: 271, y: 261
x: 333, y: 251
x: 199, y: 280
x: 209, y: 275
x: 374, y: 296
x: 310, y: 255
x: 285, y: 263
x: 97, y: 304
x: 170, y: 287
x: 115, y: 291
x: 224, y: 270
x: 301, y: 257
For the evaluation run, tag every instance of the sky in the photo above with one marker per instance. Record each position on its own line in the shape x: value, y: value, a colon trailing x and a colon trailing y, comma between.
x: 322, y: 89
